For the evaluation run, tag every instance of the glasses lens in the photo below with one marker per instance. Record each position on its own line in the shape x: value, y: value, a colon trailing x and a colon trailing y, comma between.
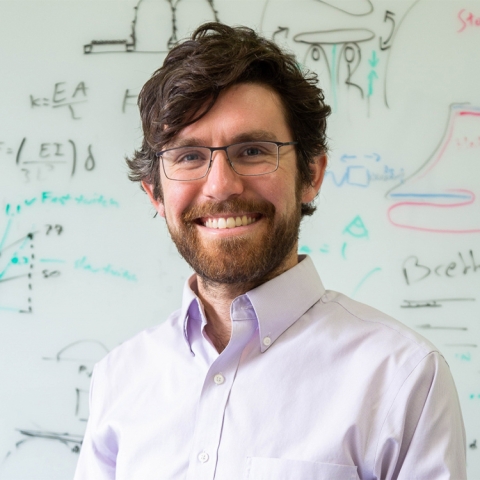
x: 186, y: 163
x: 253, y: 158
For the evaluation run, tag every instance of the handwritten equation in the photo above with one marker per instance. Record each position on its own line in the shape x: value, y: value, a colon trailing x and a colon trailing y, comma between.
x: 37, y: 161
x: 63, y: 96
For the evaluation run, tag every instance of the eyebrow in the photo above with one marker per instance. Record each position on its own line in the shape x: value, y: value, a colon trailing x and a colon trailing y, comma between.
x: 255, y: 135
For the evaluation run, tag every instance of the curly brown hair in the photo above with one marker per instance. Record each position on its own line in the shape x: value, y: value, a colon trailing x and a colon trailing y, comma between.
x: 215, y: 58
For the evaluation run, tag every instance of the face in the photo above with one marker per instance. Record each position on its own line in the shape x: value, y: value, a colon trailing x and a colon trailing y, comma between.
x: 236, y: 229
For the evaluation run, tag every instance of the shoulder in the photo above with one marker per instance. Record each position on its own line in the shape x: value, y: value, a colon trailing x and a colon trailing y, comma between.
x: 364, y: 345
x: 355, y: 319
x: 146, y: 347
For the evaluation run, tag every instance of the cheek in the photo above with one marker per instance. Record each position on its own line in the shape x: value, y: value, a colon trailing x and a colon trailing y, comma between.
x: 176, y: 199
x: 282, y: 193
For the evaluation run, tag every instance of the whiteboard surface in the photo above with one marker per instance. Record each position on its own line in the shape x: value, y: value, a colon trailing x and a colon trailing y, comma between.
x: 83, y: 263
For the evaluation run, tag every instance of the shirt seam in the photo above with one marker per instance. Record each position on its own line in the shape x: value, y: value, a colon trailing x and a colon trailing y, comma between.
x: 423, y: 347
x: 393, y: 402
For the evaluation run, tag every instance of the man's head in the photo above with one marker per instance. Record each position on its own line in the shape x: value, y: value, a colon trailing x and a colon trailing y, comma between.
x: 234, y: 224
x: 194, y: 74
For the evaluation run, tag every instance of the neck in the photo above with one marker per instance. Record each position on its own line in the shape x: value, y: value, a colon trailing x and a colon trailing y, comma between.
x: 218, y: 297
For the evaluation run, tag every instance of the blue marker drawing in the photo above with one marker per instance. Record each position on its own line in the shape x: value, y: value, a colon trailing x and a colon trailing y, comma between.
x: 356, y: 175
x: 15, y: 256
x: 5, y: 234
x: 325, y: 248
x: 371, y: 77
x: 9, y: 309
x: 374, y: 60
x: 431, y: 195
x: 346, y: 157
x: 375, y: 156
x: 356, y: 228
x: 364, y: 279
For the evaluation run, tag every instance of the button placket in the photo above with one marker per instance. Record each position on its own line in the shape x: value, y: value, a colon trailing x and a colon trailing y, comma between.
x: 213, y: 401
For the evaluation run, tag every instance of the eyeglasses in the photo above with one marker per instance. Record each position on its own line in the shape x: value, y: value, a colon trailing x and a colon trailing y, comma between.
x: 246, y: 158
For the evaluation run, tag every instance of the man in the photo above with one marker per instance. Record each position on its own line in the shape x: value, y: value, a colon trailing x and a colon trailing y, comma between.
x: 262, y: 374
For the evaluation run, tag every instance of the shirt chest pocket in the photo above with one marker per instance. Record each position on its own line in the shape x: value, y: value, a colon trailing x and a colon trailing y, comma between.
x: 283, y: 469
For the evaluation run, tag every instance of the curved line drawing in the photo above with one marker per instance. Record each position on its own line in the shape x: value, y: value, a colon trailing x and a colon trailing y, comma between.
x: 316, y: 52
x: 262, y: 17
x: 365, y: 278
x: 59, y: 355
x: 335, y: 36
x: 429, y: 199
x: 352, y: 64
x: 432, y: 205
x: 393, y: 36
x: 331, y: 3
x: 441, y: 147
x: 328, y: 3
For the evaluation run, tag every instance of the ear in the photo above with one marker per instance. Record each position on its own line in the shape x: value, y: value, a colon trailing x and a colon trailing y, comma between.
x: 157, y: 204
x: 317, y: 169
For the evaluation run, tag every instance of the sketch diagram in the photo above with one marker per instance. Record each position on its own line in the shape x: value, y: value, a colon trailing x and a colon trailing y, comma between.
x: 17, y: 265
x: 148, y: 32
x: 346, y: 53
x: 21, y: 266
x: 349, y: 52
x: 84, y: 354
x: 443, y: 196
x: 34, y: 443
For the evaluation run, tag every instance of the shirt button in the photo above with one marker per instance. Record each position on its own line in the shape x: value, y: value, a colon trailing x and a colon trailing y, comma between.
x: 218, y: 378
x: 203, y: 457
x: 267, y: 341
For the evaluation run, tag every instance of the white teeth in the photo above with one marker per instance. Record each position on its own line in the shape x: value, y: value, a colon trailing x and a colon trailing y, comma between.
x: 229, y: 222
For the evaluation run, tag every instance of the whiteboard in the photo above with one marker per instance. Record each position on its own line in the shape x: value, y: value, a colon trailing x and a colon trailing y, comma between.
x: 83, y: 263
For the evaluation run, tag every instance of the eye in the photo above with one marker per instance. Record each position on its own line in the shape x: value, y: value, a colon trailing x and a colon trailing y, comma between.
x: 251, y: 151
x: 189, y: 156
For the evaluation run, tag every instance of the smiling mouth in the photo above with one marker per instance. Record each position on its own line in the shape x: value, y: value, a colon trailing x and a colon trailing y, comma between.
x: 228, y: 221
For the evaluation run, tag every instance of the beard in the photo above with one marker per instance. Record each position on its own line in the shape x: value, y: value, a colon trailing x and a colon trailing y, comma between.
x: 240, y: 259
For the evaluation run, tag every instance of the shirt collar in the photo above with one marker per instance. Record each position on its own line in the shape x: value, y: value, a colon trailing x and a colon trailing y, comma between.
x: 190, y: 301
x: 278, y: 303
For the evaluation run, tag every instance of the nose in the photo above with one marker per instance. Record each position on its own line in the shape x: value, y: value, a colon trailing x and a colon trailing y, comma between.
x: 222, y: 182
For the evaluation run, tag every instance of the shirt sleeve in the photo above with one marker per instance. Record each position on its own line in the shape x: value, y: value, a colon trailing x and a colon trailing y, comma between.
x: 96, y: 460
x: 423, y: 436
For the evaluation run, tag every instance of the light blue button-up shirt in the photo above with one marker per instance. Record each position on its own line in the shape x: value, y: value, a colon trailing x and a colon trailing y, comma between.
x: 312, y: 385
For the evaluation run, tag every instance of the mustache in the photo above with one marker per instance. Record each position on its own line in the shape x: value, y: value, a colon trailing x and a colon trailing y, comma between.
x: 239, y: 205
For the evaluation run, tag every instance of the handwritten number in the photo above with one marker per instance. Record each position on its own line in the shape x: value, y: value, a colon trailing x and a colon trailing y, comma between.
x: 57, y: 228
x: 50, y: 274
x: 384, y: 44
x: 26, y: 172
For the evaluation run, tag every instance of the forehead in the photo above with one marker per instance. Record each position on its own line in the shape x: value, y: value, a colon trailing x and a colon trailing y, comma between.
x: 239, y: 110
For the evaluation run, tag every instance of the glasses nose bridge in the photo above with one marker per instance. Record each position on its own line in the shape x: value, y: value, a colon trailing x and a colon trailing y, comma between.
x: 216, y: 149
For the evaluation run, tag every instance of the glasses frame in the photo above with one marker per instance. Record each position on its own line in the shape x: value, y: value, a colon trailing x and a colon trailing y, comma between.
x: 224, y: 148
